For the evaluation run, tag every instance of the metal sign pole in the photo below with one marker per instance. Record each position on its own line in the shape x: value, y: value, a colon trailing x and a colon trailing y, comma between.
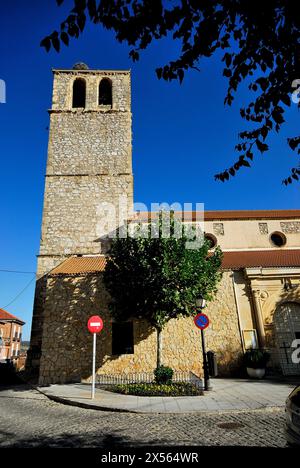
x: 95, y: 325
x: 207, y: 385
x: 94, y: 365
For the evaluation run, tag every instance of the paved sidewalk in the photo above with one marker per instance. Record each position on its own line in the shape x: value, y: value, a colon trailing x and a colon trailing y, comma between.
x: 227, y: 395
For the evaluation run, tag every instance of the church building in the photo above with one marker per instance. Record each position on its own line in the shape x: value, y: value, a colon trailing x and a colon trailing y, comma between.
x: 90, y: 164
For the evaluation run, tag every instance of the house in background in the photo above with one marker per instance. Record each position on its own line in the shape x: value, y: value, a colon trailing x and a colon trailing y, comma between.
x: 10, y: 336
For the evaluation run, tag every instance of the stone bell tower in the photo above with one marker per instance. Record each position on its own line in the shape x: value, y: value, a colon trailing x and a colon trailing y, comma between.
x: 89, y: 165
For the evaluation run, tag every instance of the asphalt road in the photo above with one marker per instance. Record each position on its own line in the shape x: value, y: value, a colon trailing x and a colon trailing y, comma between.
x: 29, y: 419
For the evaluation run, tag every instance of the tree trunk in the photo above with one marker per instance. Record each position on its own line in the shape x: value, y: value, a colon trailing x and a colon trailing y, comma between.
x: 159, y: 347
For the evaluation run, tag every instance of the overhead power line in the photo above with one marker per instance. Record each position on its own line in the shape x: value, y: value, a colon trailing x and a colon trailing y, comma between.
x: 18, y: 271
x: 20, y: 293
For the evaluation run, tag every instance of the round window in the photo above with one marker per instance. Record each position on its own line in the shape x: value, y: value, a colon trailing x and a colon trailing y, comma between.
x: 212, y: 240
x: 278, y: 239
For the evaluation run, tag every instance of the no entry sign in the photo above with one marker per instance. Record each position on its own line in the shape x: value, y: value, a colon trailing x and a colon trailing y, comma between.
x: 95, y: 324
x: 201, y: 321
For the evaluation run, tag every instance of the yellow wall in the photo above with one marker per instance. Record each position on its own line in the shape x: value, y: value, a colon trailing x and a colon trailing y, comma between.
x: 245, y: 234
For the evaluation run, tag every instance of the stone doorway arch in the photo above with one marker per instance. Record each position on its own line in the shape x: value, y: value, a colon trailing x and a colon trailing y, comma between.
x: 287, y: 329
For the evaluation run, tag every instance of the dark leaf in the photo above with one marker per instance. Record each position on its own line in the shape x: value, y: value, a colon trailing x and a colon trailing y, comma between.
x: 293, y: 142
x: 227, y: 72
x: 55, y: 43
x: 80, y: 6
x: 277, y: 116
x: 269, y: 123
x: 180, y: 74
x: 81, y: 19
x: 134, y: 55
x: 263, y: 83
x: 262, y: 147
x: 65, y: 38
x: 159, y: 73
x: 227, y: 58
x: 46, y: 42
x: 286, y: 99
x: 264, y: 132
x: 73, y: 30
x: 92, y: 8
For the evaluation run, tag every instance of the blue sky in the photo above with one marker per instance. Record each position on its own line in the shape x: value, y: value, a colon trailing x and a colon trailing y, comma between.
x: 182, y: 136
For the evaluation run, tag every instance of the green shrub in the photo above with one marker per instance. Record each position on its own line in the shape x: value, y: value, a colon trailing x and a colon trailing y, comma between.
x: 153, y: 389
x: 163, y: 375
x: 256, y: 358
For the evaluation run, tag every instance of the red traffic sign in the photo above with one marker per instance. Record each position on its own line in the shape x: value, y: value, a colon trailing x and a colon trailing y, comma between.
x: 95, y: 324
x: 201, y: 321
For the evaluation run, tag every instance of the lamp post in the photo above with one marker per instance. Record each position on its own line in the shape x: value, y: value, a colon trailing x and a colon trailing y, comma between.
x: 200, y: 304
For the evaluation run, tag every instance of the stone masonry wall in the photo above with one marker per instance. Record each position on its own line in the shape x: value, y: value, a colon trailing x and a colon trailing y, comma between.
x: 89, y: 142
x: 63, y: 85
x: 67, y: 344
x: 223, y: 335
x: 73, y: 212
x: 89, y: 162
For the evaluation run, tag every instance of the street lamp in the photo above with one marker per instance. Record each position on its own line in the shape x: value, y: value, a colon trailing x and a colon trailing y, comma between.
x: 200, y: 304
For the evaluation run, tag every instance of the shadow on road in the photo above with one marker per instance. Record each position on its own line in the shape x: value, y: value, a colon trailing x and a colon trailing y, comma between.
x: 107, y: 441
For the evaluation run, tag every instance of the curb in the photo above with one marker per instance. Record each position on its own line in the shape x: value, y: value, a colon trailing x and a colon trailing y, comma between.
x: 80, y: 404
x: 83, y: 405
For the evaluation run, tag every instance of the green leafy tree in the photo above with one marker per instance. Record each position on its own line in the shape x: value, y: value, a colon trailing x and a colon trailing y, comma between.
x: 158, y: 277
x: 260, y: 40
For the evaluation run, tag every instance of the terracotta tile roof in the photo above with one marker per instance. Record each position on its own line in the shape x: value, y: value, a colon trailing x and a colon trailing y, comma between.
x: 261, y: 258
x: 230, y: 214
x: 4, y: 315
x: 80, y: 265
x: 251, y: 214
x: 231, y: 261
